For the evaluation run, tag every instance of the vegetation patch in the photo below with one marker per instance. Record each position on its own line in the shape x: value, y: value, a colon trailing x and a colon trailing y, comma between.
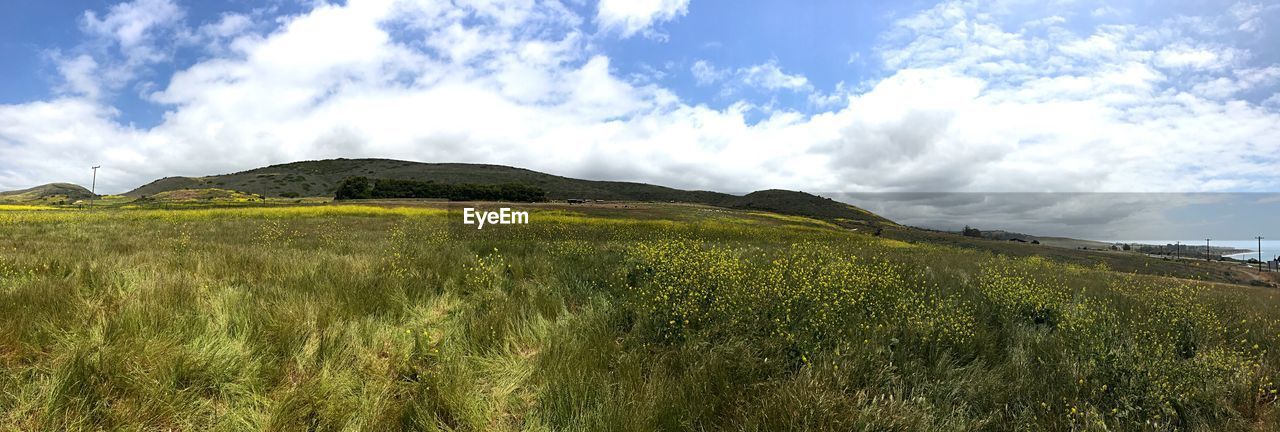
x: 364, y: 188
x: 362, y: 317
x: 201, y: 195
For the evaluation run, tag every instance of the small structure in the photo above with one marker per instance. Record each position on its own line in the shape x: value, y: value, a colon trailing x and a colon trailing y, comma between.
x: 576, y: 201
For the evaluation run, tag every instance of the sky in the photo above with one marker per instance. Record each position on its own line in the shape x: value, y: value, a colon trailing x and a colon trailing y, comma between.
x: 821, y: 96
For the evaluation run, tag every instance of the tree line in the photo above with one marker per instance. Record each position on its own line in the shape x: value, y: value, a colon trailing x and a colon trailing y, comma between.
x: 366, y: 188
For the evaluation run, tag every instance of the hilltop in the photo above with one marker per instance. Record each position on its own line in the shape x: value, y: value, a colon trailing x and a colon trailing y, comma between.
x: 321, y: 177
x: 52, y: 193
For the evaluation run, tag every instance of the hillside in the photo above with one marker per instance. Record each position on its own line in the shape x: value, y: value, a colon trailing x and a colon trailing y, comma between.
x: 210, y: 195
x: 1063, y: 242
x: 52, y: 193
x: 785, y: 201
x: 320, y: 178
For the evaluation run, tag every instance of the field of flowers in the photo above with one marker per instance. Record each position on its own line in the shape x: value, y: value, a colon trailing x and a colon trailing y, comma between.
x: 362, y: 317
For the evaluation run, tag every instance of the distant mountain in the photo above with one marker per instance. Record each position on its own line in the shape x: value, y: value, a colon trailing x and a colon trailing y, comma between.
x: 320, y: 178
x: 52, y: 193
x: 799, y: 203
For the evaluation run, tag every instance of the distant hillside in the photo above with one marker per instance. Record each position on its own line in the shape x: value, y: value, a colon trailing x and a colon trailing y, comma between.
x: 320, y: 178
x: 199, y: 195
x: 1047, y: 241
x: 52, y: 193
x: 794, y: 202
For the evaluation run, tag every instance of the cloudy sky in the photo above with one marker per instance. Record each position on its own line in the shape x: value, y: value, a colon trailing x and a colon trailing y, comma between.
x: 896, y: 96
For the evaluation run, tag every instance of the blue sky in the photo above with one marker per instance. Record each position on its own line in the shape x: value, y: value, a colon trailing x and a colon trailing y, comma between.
x: 827, y: 48
x: 908, y: 96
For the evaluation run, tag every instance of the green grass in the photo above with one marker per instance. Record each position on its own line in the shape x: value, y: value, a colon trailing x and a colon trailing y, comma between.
x: 666, y: 318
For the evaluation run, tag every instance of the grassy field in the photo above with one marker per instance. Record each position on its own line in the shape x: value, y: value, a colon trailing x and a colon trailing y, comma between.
x: 369, y: 317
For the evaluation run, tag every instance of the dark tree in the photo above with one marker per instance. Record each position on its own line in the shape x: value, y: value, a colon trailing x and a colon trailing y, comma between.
x: 354, y: 188
x: 971, y: 232
x: 360, y: 187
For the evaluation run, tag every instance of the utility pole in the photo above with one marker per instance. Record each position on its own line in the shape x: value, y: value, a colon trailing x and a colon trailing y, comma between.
x: 1206, y: 249
x: 1259, y: 254
x: 93, y: 187
x: 1177, y: 250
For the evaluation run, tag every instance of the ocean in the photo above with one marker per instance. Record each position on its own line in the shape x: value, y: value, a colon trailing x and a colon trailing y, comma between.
x: 1270, y: 248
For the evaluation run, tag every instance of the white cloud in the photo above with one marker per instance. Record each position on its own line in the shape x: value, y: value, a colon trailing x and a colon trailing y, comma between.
x: 769, y: 76
x: 1242, y: 80
x: 765, y: 76
x: 1101, y: 46
x: 629, y: 17
x: 1108, y: 11
x: 1049, y: 21
x: 966, y: 105
x: 79, y: 74
x: 1183, y: 56
x: 1273, y: 102
x: 231, y: 25
x: 835, y: 99
x: 127, y: 39
x: 1249, y: 15
x: 132, y: 26
x: 705, y: 74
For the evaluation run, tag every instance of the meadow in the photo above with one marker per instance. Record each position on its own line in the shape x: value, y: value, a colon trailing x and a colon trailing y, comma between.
x: 375, y: 317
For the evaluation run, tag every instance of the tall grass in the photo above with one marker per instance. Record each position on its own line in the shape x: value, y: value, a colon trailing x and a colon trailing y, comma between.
x: 372, y: 318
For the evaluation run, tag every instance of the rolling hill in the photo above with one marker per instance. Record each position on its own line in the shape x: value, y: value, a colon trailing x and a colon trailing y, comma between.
x: 320, y: 178
x: 52, y: 193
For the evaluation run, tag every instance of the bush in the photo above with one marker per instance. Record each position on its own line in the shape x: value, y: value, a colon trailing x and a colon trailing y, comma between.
x: 354, y: 188
x: 362, y: 188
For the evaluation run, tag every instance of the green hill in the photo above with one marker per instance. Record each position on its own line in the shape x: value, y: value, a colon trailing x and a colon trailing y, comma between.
x: 792, y: 202
x: 320, y: 178
x: 52, y: 193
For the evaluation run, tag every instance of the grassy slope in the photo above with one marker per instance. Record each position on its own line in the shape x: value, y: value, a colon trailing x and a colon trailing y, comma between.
x: 317, y: 178
x: 669, y: 317
x: 52, y: 193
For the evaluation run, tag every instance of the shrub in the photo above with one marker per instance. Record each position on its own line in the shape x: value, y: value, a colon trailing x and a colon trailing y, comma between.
x: 354, y: 188
x: 361, y: 187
